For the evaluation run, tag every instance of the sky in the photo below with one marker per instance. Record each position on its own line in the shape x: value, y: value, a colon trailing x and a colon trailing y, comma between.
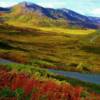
x: 85, y: 7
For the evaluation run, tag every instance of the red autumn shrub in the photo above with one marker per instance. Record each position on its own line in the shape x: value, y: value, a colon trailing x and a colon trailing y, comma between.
x: 30, y: 85
x: 19, y: 81
x: 5, y: 79
x: 41, y: 89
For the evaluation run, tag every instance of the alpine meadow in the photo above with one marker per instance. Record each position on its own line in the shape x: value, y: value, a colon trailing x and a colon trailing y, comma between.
x: 48, y: 53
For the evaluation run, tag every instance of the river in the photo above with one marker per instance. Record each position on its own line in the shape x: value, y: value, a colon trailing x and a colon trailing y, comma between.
x: 87, y: 77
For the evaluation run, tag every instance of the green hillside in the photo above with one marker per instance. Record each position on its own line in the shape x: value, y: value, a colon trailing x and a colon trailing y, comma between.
x: 18, y: 16
x: 32, y: 15
x: 51, y: 49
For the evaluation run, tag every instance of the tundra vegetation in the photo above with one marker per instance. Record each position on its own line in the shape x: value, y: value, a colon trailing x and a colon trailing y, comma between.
x: 64, y: 49
x: 21, y: 82
x: 34, y: 39
x: 38, y: 48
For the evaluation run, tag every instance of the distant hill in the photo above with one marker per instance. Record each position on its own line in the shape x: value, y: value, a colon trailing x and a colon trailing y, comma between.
x: 4, y: 9
x: 32, y: 14
x: 95, y: 19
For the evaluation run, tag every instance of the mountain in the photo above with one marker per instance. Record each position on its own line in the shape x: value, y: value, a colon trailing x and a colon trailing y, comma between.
x: 4, y: 9
x: 32, y: 14
x: 95, y: 19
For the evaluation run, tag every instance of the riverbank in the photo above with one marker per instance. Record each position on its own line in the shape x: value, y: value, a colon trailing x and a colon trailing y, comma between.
x: 87, y: 77
x: 31, y: 69
x: 16, y: 85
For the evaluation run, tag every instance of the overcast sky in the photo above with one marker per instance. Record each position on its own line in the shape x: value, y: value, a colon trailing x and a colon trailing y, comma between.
x: 86, y: 7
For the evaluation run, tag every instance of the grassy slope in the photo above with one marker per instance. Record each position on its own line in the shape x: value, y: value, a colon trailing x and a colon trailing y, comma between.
x: 19, y: 16
x: 43, y: 74
x: 53, y: 48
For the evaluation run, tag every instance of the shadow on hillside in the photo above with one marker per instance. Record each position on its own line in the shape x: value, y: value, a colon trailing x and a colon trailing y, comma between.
x: 5, y: 45
x: 91, y: 49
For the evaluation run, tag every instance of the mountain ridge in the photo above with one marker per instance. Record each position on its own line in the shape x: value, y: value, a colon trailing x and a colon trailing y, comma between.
x: 50, y: 16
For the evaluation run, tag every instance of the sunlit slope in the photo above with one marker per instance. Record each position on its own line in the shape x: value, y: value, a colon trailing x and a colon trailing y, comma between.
x: 50, y: 49
x: 32, y: 15
x: 22, y: 17
x: 68, y: 31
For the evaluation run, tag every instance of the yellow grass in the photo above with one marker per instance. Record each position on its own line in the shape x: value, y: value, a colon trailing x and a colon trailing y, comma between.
x: 62, y: 31
x: 69, y: 31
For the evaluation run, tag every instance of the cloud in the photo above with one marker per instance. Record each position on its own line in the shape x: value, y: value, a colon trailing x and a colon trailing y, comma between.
x: 96, y: 12
x: 52, y: 3
x: 7, y: 4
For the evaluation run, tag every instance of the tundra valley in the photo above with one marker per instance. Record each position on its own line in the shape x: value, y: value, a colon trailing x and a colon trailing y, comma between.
x: 48, y: 54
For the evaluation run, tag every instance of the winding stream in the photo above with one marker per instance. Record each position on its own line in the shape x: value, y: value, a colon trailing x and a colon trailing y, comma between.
x: 87, y: 77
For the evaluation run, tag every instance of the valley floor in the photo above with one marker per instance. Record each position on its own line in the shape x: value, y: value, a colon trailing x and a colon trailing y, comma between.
x: 32, y: 50
x: 69, y: 49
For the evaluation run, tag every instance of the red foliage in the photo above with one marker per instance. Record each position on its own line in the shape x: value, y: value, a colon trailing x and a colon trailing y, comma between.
x: 19, y: 81
x: 41, y: 89
x: 5, y: 78
x: 29, y: 85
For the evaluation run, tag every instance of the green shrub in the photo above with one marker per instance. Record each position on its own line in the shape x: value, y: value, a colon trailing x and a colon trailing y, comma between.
x: 84, y: 94
x: 19, y: 93
x: 7, y: 92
